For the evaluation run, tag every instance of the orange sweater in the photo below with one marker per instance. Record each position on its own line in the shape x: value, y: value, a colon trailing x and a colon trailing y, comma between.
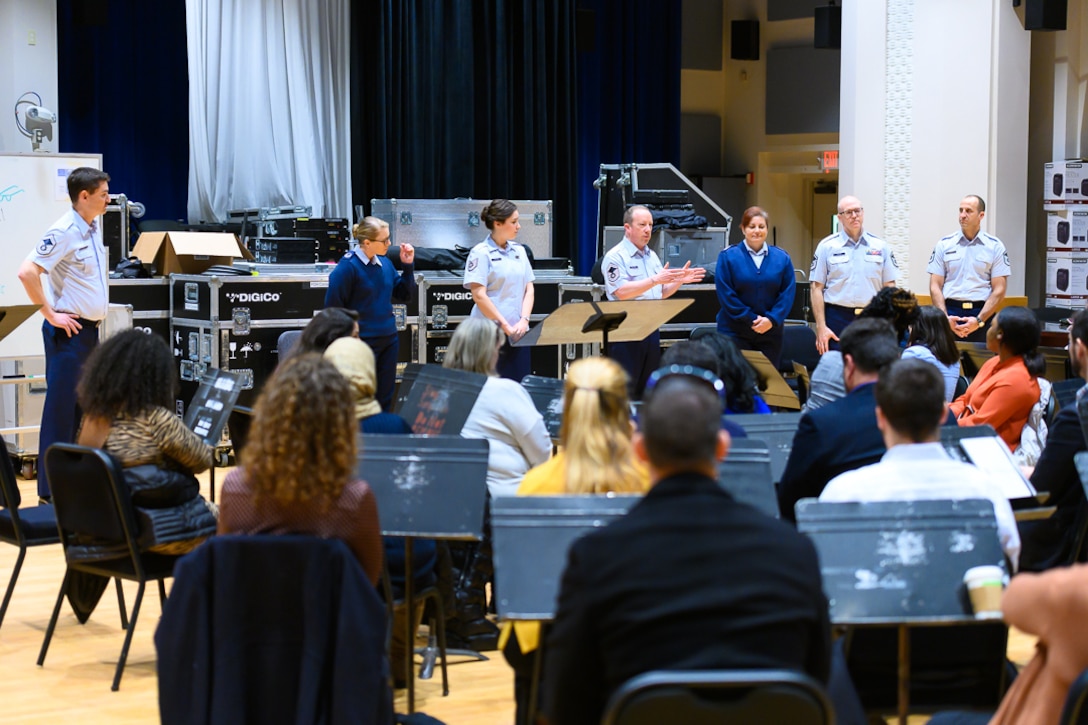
x: 1001, y: 395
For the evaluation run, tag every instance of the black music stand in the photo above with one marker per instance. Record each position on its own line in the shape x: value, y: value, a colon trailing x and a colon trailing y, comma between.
x: 588, y: 322
x: 746, y: 475
x: 433, y: 487
x: 547, y: 395
x: 441, y: 399
x: 778, y: 429
x: 901, y: 564
x: 530, y: 538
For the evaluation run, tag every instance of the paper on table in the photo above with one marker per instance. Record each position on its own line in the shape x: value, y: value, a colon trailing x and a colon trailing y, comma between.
x: 992, y: 456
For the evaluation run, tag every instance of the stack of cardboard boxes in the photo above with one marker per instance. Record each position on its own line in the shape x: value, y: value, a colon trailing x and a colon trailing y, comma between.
x: 1065, y: 199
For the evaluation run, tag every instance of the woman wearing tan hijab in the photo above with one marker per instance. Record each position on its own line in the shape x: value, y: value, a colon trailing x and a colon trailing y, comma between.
x: 355, y: 361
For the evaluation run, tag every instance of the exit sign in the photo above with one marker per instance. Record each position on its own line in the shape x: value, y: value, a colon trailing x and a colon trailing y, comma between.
x: 829, y: 161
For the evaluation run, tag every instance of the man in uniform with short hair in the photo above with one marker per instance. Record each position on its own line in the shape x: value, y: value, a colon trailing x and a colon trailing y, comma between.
x: 73, y: 302
x: 848, y: 268
x: 968, y: 273
x: 633, y: 271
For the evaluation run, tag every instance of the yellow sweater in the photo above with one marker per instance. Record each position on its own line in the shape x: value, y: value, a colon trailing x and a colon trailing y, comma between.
x: 548, y: 479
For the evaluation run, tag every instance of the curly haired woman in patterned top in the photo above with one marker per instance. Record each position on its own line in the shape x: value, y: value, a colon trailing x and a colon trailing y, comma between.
x: 127, y: 395
x: 298, y: 469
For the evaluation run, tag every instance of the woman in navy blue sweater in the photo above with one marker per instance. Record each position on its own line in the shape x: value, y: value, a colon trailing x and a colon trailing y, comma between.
x: 366, y: 282
x: 755, y: 289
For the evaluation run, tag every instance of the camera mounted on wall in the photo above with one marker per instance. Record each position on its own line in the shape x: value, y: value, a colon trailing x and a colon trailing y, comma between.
x: 37, y: 121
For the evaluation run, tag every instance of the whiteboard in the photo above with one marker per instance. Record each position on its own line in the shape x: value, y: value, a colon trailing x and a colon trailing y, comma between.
x: 33, y: 195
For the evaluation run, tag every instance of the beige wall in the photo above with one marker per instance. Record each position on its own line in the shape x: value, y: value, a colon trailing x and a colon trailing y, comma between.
x: 785, y: 166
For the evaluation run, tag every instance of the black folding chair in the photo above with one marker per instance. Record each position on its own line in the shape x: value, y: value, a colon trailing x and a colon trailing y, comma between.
x: 717, y: 696
x: 24, y: 528
x: 98, y: 531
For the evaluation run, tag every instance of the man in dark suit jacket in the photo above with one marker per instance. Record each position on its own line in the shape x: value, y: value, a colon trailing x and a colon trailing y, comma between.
x: 841, y: 435
x: 688, y: 579
x: 1048, y: 543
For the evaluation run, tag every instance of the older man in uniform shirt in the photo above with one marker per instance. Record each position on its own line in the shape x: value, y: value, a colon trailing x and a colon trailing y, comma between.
x: 848, y: 268
x: 634, y: 272
x: 968, y: 273
x: 73, y: 302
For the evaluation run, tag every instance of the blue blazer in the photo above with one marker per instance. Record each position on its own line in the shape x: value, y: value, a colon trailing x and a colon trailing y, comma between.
x: 837, y: 437
x: 370, y: 290
x: 745, y: 291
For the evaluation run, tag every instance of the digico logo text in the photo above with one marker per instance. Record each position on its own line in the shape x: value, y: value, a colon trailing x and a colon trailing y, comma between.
x: 453, y: 296
x: 253, y: 296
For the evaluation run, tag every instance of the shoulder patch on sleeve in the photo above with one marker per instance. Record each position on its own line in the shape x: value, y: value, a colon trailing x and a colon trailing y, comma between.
x: 932, y: 256
x: 47, y: 246
x: 895, y: 262
x: 1006, y: 256
x: 815, y: 261
x: 473, y: 263
x: 613, y: 272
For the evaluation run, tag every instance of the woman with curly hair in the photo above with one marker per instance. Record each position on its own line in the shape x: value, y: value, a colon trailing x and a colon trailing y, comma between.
x: 127, y: 393
x: 596, y: 457
x: 297, y: 474
x: 894, y: 304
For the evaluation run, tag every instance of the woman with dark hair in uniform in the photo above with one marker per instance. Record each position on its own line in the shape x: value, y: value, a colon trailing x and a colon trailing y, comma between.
x: 500, y: 277
x: 366, y: 282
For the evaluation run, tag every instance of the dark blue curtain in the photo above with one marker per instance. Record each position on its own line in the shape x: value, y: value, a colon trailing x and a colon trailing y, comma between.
x: 628, y: 97
x: 123, y: 89
x: 458, y: 99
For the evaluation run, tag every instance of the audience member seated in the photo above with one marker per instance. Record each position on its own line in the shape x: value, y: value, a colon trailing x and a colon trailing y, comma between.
x: 842, y: 435
x: 932, y: 341
x: 504, y: 413
x: 595, y: 457
x: 327, y: 325
x: 355, y: 361
x: 1053, y: 607
x: 898, y: 306
x: 127, y: 393
x: 1005, y: 389
x: 688, y: 579
x: 1049, y: 542
x: 743, y: 383
x: 506, y: 417
x: 909, y: 411
x: 297, y: 473
x: 693, y: 352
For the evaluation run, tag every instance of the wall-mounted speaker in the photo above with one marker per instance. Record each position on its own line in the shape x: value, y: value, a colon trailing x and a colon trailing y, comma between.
x: 1045, y: 14
x: 828, y: 33
x: 744, y: 40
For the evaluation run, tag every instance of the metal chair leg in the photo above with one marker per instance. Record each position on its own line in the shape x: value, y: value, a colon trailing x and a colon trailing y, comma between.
x: 440, y: 626
x: 128, y: 638
x: 11, y: 584
x: 121, y: 603
x: 162, y: 592
x: 53, y: 620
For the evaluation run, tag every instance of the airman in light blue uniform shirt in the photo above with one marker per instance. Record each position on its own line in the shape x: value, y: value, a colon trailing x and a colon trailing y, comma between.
x: 968, y: 273
x: 848, y: 269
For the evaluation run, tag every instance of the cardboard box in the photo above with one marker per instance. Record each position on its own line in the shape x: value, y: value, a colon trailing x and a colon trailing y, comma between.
x: 1067, y: 273
x: 1067, y: 230
x: 1054, y: 185
x: 188, y: 252
x: 1076, y: 182
x: 1068, y: 302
